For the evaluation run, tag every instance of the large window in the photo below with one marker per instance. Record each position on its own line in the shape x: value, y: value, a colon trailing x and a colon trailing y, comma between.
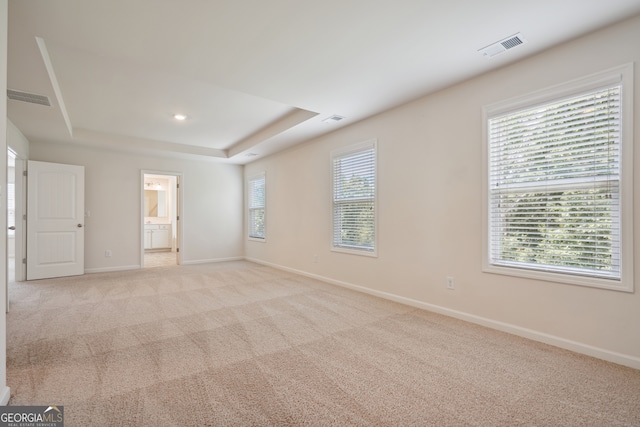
x: 354, y: 198
x: 256, y: 202
x: 557, y: 197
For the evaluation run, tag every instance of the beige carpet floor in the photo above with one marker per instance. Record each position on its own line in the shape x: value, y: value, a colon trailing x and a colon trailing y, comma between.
x: 239, y: 344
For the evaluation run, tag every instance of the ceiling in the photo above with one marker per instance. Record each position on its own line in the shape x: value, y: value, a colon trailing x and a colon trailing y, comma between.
x: 254, y: 77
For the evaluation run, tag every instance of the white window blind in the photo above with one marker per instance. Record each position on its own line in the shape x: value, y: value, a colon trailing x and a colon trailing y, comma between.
x: 354, y: 192
x: 555, y: 186
x: 257, y: 197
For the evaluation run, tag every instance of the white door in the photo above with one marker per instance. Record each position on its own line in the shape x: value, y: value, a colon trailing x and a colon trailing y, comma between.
x: 55, y: 220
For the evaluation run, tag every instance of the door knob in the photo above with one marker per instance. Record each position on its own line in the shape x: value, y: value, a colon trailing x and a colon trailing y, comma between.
x: 13, y: 227
x: 79, y: 225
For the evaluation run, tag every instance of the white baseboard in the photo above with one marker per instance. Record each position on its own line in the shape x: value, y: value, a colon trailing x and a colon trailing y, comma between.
x: 6, y: 395
x: 137, y: 267
x: 110, y: 269
x: 207, y: 261
x: 610, y: 356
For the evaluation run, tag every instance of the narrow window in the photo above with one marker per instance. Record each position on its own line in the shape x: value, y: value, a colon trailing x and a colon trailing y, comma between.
x: 354, y: 199
x: 256, y: 203
x: 555, y: 187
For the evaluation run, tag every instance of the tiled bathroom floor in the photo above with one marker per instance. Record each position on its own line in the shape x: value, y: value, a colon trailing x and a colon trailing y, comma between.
x: 159, y: 259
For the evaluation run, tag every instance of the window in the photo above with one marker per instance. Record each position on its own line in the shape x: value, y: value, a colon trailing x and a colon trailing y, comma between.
x: 558, y: 192
x: 256, y: 202
x: 354, y: 199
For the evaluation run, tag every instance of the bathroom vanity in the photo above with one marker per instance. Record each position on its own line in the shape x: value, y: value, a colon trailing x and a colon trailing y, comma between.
x: 157, y: 236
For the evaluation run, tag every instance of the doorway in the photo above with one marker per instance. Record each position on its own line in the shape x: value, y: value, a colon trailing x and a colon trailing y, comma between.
x: 11, y: 216
x: 160, y: 219
x: 16, y: 222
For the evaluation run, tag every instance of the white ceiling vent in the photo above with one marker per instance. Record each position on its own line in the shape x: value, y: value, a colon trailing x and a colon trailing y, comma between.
x: 333, y: 119
x: 17, y: 95
x: 503, y: 45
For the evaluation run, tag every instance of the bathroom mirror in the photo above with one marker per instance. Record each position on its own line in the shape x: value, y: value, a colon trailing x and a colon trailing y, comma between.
x: 155, y: 203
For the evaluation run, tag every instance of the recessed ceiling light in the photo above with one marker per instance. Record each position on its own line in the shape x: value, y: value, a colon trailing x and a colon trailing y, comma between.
x: 179, y: 117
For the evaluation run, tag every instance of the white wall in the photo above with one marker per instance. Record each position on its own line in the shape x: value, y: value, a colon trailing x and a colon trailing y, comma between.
x: 4, y: 390
x: 430, y: 209
x: 211, y: 220
x: 17, y: 141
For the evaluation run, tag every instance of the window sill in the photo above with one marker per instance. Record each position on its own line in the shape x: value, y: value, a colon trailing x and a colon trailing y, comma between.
x: 361, y: 252
x: 257, y: 239
x: 569, y: 279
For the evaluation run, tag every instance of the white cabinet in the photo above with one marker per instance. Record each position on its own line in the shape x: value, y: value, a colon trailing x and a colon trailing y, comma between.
x: 147, y: 237
x: 161, y: 238
x: 157, y: 236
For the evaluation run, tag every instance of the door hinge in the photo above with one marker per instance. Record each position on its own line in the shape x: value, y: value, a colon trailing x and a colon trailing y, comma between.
x: 24, y: 216
x: 24, y: 260
x: 24, y: 173
x: 177, y: 249
x: 178, y: 218
x: 178, y: 185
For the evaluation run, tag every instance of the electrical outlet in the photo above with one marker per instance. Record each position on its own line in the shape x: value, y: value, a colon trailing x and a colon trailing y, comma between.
x: 450, y: 283
x: 107, y: 253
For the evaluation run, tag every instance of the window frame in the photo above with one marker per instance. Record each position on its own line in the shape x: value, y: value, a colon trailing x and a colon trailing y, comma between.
x: 622, y: 75
x: 370, y: 144
x: 250, y: 180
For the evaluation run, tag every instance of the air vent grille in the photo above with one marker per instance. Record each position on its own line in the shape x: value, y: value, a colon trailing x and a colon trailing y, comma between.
x: 502, y: 45
x: 512, y: 42
x: 17, y: 95
x: 333, y: 119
